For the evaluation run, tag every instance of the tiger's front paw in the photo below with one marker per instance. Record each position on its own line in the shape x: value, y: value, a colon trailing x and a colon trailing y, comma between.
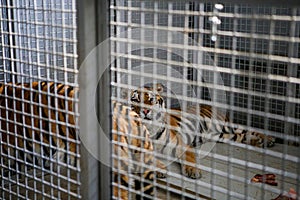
x: 270, y: 141
x: 191, y: 172
x: 265, y: 141
x: 162, y: 172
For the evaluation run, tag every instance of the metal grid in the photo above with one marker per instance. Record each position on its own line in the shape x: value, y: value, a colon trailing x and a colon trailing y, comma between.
x: 187, y: 46
x: 38, y: 44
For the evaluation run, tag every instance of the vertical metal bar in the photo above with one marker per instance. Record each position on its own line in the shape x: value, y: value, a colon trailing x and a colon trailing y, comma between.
x: 231, y: 101
x: 17, y: 42
x: 92, y: 30
x: 10, y: 19
x: 291, y: 71
x: 4, y: 28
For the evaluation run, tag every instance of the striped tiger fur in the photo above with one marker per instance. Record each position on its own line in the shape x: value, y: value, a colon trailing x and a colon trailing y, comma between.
x: 175, y: 132
x: 132, y: 147
x: 27, y: 123
x: 38, y: 126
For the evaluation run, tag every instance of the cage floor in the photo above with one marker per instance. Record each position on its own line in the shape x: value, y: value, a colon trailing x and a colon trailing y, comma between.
x: 227, y: 171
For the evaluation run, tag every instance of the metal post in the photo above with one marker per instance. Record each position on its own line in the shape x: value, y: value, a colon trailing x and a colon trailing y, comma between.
x: 92, y: 30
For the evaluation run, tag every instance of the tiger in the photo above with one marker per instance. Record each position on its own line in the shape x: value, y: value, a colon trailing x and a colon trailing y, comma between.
x: 39, y: 118
x: 175, y: 133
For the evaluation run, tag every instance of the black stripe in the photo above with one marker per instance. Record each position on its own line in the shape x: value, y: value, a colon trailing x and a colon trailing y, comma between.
x: 177, y: 118
x: 168, y: 139
x: 158, y: 135
x: 69, y: 89
x: 61, y: 105
x: 243, y: 139
x: 221, y: 135
x: 42, y: 84
x: 189, y: 126
x: 174, y: 149
x: 148, y: 175
x: 224, y: 129
x: 234, y: 137
x: 29, y: 147
x: 64, y: 139
x: 52, y: 97
x: 123, y: 182
x: 204, y: 127
x: 145, y: 184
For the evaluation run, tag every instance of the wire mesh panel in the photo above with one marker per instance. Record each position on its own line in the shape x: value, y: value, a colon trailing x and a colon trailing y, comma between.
x: 225, y: 80
x: 38, y: 141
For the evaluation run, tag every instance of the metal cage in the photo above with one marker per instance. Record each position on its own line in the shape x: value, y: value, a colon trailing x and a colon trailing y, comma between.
x: 38, y: 45
x: 241, y: 59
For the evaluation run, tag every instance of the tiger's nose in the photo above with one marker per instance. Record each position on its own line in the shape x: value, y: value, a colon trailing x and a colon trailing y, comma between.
x: 145, y: 111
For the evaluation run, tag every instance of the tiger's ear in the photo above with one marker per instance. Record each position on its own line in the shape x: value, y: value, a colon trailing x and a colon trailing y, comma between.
x: 129, y: 94
x: 159, y: 88
x: 125, y: 93
x: 134, y: 96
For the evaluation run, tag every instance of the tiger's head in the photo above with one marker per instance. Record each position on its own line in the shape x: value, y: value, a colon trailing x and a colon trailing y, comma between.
x: 149, y: 105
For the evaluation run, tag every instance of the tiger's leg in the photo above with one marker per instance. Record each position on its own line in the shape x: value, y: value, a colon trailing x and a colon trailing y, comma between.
x: 120, y: 189
x: 162, y: 166
x: 258, y: 139
x: 58, y: 156
x: 188, y: 160
x: 122, y: 185
x: 120, y: 193
x: 146, y: 187
x: 7, y: 152
x: 65, y: 143
x: 190, y: 170
x: 249, y: 137
x: 72, y: 158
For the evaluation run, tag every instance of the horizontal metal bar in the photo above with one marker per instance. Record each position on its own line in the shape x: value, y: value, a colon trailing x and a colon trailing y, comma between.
x: 209, y: 14
x: 185, y: 30
x: 209, y: 68
x: 149, y: 44
x: 210, y: 85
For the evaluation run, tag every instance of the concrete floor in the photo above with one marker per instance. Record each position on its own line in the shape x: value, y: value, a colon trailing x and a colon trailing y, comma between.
x: 227, y: 159
x: 224, y: 159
